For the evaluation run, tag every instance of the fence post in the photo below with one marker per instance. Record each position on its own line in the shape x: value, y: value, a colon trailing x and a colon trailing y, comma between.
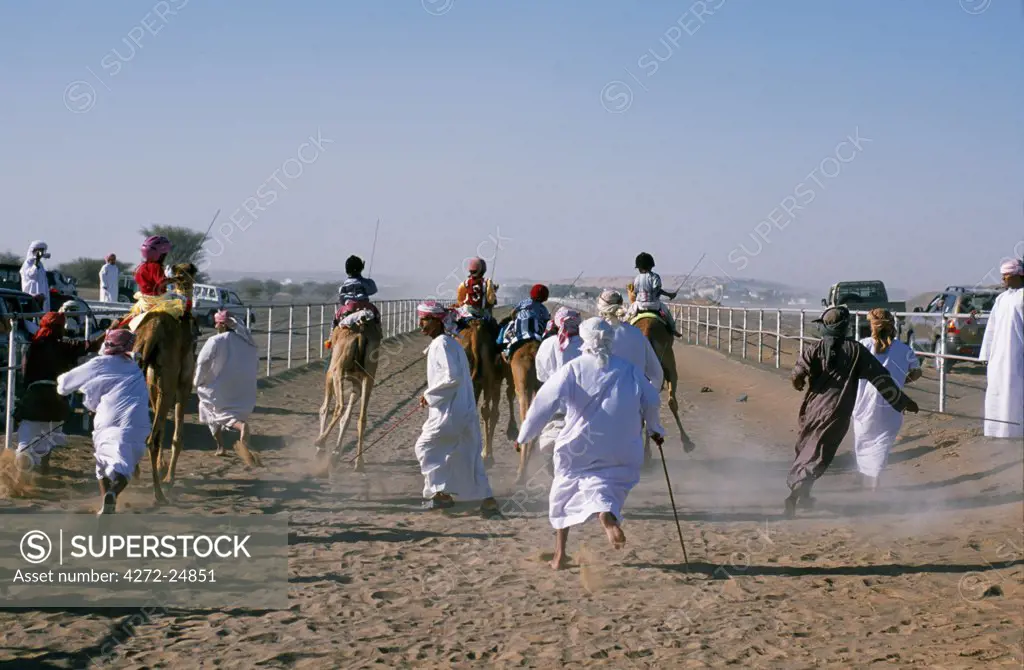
x: 778, y: 339
x: 745, y: 312
x: 320, y: 344
x: 697, y: 328
x: 760, y: 336
x: 309, y: 327
x: 248, y: 318
x: 688, y: 319
x: 718, y: 328
x: 940, y: 361
x: 291, y: 321
x: 12, y: 378
x: 856, y: 326
x: 802, y: 315
x: 270, y: 337
x: 707, y: 329
x: 730, y: 330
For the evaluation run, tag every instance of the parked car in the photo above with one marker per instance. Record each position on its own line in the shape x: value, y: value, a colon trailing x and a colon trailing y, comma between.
x: 126, y: 288
x: 207, y: 300
x: 13, y: 304
x: 62, y: 288
x: 863, y: 296
x: 10, y: 276
x: 962, y: 336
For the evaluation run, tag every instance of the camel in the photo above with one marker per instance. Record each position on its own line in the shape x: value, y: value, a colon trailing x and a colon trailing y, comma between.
x: 521, y: 377
x: 479, y: 340
x: 657, y: 333
x: 166, y: 347
x: 354, y: 355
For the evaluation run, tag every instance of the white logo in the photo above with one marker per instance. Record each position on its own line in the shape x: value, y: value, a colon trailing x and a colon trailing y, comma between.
x: 36, y: 546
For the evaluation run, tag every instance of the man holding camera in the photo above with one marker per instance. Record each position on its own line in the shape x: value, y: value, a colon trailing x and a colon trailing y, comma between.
x: 33, y: 274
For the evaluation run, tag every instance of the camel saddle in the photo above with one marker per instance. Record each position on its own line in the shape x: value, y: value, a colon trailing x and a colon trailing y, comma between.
x: 647, y: 314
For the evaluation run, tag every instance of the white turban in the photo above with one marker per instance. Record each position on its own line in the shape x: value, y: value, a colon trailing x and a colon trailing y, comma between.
x: 36, y: 244
x: 609, y: 305
x: 597, y: 339
x: 1012, y: 267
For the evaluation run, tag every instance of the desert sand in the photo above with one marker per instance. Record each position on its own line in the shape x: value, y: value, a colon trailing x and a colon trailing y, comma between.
x: 928, y: 572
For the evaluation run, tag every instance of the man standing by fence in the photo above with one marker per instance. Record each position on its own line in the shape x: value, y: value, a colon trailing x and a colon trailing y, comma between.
x: 1003, y: 350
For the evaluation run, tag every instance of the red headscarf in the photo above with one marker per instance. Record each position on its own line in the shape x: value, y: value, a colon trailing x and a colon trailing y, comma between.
x: 50, y: 326
x: 539, y: 292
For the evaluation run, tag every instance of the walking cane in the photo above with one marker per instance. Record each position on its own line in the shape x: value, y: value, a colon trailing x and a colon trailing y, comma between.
x: 967, y: 416
x: 672, y: 499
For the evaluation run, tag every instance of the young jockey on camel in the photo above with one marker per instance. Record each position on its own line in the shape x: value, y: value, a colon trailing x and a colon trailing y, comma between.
x: 648, y: 289
x: 354, y: 294
x: 528, y: 321
x: 152, y: 280
x: 476, y: 296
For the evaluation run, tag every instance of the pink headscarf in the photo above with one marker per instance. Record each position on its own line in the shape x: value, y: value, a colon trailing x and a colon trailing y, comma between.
x: 568, y: 323
x: 431, y: 309
x: 1012, y: 267
x: 223, y: 318
x: 118, y: 341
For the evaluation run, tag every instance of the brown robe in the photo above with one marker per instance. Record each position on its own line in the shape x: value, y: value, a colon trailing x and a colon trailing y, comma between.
x: 47, y: 359
x: 828, y: 405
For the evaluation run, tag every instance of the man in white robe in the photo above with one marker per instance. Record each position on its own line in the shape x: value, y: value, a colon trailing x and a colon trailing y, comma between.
x: 1003, y: 350
x: 450, y: 445
x: 599, y: 453
x: 115, y: 389
x: 629, y: 342
x: 109, y: 275
x: 875, y: 423
x: 225, y: 381
x: 553, y: 353
x: 33, y: 274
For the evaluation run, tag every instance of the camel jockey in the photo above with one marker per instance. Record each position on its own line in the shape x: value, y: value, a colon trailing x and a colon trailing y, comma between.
x: 115, y: 389
x: 449, y: 446
x: 225, y: 379
x: 648, y: 289
x: 41, y: 411
x: 33, y: 274
x: 152, y: 280
x: 354, y: 295
x: 599, y: 451
x: 476, y: 296
x: 72, y: 312
x: 629, y: 342
x: 562, y: 346
x: 528, y: 321
x: 834, y: 365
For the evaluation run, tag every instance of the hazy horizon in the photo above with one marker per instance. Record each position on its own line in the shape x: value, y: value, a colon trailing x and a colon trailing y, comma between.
x: 837, y: 142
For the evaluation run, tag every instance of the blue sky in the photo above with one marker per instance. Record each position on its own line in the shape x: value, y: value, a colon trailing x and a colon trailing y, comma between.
x: 492, y: 116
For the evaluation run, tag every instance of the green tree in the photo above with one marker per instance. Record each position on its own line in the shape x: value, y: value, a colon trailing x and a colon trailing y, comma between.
x: 251, y: 289
x: 271, y: 287
x: 294, y: 290
x: 188, y: 245
x: 11, y: 258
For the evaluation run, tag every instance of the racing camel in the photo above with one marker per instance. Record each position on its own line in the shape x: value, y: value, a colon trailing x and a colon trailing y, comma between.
x: 657, y: 333
x: 479, y: 340
x: 355, y: 350
x: 166, y: 350
x: 521, y: 376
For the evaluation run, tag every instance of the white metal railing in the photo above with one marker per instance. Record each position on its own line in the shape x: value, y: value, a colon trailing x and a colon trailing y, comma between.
x: 697, y: 322
x: 690, y: 318
x: 397, y: 317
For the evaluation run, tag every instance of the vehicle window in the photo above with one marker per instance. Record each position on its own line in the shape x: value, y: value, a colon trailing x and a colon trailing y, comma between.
x: 233, y: 298
x: 223, y: 299
x: 936, y: 304
x: 982, y: 302
x: 862, y: 290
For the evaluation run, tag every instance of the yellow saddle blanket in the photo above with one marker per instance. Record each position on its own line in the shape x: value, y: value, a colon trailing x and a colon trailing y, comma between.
x: 169, y: 303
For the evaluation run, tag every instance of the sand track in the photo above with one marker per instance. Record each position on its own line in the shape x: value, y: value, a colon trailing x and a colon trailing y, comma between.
x: 927, y: 573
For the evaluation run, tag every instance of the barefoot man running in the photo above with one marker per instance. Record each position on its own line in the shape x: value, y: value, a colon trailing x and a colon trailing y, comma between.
x: 599, y: 452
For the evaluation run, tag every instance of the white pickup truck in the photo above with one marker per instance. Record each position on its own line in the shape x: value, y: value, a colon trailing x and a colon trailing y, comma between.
x: 208, y: 299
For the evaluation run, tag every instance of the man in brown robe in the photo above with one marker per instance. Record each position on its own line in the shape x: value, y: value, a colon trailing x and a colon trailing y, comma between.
x: 834, y: 365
